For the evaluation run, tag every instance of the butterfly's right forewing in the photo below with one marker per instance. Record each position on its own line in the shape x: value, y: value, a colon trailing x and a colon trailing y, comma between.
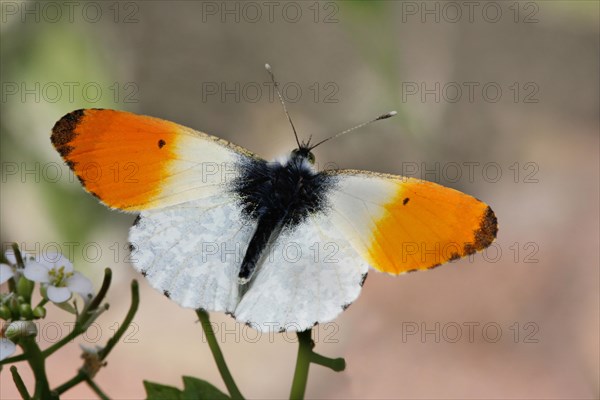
x: 403, y: 224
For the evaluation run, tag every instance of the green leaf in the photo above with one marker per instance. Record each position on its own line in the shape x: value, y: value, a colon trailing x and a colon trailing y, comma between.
x: 156, y: 391
x: 193, y: 389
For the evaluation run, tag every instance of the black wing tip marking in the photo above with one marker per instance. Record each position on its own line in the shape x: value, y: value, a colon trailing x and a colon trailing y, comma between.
x: 63, y: 132
x: 486, y: 234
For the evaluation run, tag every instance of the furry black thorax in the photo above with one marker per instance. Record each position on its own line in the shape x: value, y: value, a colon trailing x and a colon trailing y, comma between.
x: 277, y: 195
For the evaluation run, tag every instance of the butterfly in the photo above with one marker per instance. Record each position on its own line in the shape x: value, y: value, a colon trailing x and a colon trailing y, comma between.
x: 276, y: 244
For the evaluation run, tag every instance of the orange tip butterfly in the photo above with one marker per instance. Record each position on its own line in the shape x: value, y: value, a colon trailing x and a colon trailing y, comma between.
x: 278, y: 245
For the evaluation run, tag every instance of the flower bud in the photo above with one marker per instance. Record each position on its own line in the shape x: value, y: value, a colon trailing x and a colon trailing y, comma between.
x: 20, y: 329
x: 25, y: 288
x: 39, y: 312
x: 5, y: 313
x: 25, y: 311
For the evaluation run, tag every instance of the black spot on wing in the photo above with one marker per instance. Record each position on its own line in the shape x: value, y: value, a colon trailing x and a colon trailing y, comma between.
x: 161, y: 143
x: 405, y: 201
x: 167, y: 294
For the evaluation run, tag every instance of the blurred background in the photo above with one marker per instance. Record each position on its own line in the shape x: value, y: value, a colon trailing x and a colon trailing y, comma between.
x: 497, y: 99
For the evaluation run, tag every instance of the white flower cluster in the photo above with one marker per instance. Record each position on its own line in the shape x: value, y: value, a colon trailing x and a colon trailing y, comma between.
x: 54, y: 272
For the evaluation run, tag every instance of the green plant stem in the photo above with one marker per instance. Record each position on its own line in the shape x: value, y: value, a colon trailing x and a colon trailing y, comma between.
x: 12, y: 282
x: 42, y: 303
x: 336, y: 364
x: 74, y: 381
x: 306, y: 355
x: 37, y: 363
x: 82, y: 375
x: 74, y: 333
x: 18, y: 256
x: 305, y: 346
x: 95, y: 388
x: 80, y: 325
x: 135, y: 302
x: 19, y: 383
x: 95, y: 303
x: 234, y: 392
x: 20, y: 357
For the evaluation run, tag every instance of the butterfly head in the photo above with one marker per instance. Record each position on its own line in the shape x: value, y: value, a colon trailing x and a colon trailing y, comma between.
x: 303, y: 153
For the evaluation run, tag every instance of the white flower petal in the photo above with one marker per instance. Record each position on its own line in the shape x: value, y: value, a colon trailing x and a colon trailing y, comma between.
x: 58, y: 294
x: 47, y: 259
x: 78, y: 283
x: 59, y: 261
x: 7, y: 348
x: 6, y: 273
x: 34, y: 271
x: 43, y: 261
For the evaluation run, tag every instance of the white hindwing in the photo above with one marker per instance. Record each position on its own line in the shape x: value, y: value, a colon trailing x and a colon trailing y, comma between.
x: 192, y: 251
x: 309, y: 274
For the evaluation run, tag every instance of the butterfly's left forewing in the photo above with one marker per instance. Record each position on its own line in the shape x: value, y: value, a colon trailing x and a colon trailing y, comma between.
x: 134, y: 162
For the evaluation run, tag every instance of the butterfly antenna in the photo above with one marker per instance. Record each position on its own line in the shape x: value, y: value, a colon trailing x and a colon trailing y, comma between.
x: 268, y: 68
x: 384, y: 116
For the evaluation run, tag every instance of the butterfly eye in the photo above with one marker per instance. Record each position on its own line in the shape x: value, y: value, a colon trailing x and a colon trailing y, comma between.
x: 311, y: 158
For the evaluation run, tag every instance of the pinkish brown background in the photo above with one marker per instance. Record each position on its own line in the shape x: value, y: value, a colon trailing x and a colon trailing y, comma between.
x: 520, y: 321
